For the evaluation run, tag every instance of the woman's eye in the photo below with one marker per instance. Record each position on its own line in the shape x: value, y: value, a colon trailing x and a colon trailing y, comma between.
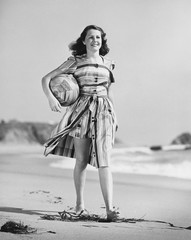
x: 97, y: 37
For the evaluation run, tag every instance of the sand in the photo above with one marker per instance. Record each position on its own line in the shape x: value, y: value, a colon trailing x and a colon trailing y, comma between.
x: 30, y: 188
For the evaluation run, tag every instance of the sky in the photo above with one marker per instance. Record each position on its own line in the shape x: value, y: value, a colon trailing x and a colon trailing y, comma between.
x: 149, y: 41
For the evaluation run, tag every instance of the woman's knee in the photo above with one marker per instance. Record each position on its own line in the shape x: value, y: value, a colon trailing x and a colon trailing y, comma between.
x: 81, y: 163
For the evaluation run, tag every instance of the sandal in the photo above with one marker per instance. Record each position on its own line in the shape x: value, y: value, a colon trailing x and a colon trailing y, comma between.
x: 113, y: 216
x: 70, y: 215
x: 84, y: 212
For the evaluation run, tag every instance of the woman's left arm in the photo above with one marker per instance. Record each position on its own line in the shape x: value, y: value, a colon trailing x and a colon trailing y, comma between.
x: 110, y: 94
x: 111, y: 98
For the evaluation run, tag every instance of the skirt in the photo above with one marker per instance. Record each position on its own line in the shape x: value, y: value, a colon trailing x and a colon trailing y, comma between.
x: 91, y: 116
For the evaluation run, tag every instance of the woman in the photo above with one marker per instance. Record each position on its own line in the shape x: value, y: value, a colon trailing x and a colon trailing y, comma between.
x: 88, y: 126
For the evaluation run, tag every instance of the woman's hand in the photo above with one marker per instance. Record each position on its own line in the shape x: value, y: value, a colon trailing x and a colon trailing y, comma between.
x: 54, y: 104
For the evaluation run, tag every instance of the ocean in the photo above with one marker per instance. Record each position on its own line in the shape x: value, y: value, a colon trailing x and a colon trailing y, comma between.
x: 142, y: 160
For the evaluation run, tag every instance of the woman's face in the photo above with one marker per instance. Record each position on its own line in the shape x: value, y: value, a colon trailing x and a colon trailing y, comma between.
x: 93, y: 40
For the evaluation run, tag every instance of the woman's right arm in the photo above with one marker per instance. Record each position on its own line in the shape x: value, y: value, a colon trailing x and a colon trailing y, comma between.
x: 67, y: 67
x: 53, y: 102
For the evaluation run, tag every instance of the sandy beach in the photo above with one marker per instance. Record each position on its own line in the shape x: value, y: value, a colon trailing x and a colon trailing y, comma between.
x: 30, y: 188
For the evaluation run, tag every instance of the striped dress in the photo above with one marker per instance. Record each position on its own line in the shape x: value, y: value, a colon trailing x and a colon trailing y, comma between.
x: 91, y: 116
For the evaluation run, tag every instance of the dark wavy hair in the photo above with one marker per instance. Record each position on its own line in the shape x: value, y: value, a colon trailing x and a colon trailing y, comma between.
x: 78, y: 48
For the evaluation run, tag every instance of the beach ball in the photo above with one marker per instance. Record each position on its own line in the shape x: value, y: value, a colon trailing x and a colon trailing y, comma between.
x: 65, y: 88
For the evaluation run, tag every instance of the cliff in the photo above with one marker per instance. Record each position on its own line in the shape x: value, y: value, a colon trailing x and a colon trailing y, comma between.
x: 16, y: 132
x: 184, y: 138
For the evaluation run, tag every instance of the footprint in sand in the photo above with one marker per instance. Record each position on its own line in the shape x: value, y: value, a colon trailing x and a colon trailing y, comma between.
x: 49, y: 197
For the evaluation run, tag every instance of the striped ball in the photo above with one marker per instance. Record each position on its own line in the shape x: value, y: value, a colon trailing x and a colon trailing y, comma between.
x: 65, y: 88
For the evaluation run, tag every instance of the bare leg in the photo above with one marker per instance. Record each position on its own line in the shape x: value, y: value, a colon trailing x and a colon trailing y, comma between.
x: 106, y: 183
x: 82, y: 151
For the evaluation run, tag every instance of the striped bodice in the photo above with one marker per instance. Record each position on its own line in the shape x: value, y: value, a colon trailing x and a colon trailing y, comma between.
x: 92, y: 78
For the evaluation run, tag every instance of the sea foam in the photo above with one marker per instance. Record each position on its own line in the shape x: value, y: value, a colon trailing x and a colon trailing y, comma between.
x: 142, y: 160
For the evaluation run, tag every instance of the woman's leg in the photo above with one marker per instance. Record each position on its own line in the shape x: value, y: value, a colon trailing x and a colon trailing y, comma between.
x: 82, y: 147
x: 106, y: 183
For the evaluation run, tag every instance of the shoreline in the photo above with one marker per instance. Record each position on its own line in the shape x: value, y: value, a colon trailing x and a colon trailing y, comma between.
x: 146, y: 155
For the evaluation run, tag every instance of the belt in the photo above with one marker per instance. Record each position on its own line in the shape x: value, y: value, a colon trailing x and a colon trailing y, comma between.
x: 94, y: 94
